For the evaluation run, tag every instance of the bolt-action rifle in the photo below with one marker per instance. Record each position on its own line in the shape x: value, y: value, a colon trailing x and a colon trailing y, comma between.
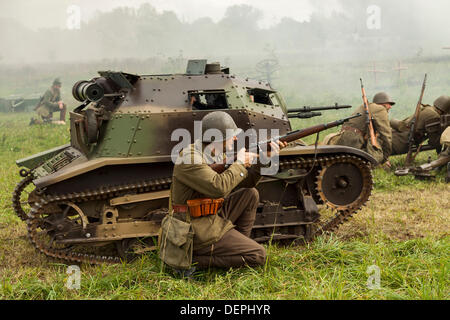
x: 289, y: 137
x: 412, y: 129
x: 369, y: 123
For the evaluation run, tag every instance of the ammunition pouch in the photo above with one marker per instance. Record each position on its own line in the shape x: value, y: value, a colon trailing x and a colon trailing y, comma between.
x: 204, y: 207
x: 176, y: 242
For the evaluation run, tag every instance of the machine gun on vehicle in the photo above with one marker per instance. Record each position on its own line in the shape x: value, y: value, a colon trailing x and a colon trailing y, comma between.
x: 311, y: 112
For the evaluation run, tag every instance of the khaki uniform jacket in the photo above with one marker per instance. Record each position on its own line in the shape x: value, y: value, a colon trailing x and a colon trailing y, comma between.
x: 445, y: 142
x: 49, y: 103
x: 194, y: 179
x: 361, y: 140
x: 400, y: 130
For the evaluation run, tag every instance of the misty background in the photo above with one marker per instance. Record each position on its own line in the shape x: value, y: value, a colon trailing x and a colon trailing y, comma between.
x: 314, y: 52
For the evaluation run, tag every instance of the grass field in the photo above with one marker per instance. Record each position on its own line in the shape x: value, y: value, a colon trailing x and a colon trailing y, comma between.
x: 404, y: 231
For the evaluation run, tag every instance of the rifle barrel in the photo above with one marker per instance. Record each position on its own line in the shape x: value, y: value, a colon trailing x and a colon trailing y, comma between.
x: 299, y: 134
x: 412, y: 130
x: 290, y: 137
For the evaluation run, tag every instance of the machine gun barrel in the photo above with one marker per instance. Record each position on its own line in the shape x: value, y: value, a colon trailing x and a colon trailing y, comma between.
x: 304, y: 115
x: 312, y: 109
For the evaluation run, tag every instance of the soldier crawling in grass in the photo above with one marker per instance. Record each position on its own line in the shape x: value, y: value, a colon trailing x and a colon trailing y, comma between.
x: 356, y: 132
x: 221, y: 237
x: 49, y: 103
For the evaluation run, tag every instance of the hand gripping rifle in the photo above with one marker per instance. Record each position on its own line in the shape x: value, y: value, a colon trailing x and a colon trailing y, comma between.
x: 369, y: 123
x: 289, y: 137
x: 412, y: 129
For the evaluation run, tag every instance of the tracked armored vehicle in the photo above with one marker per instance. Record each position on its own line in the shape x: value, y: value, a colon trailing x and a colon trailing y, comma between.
x: 101, y: 197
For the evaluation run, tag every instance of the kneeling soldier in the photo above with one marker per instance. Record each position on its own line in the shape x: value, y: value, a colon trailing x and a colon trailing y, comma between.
x: 49, y: 103
x: 221, y: 237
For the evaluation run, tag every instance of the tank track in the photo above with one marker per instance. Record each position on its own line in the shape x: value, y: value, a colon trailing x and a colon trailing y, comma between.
x: 16, y: 203
x: 160, y: 184
x: 103, y: 193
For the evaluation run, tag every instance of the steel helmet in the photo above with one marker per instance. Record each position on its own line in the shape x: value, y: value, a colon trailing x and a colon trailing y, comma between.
x: 443, y: 103
x: 222, y: 122
x: 382, y: 98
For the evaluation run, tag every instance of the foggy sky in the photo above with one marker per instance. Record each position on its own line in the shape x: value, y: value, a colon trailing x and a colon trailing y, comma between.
x: 36, y: 30
x: 36, y: 14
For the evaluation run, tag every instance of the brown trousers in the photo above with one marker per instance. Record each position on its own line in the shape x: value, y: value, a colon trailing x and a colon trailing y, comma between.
x: 235, y: 249
x: 46, y: 115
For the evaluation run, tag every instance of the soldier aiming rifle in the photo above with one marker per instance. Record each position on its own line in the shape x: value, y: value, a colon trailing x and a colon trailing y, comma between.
x: 213, y: 204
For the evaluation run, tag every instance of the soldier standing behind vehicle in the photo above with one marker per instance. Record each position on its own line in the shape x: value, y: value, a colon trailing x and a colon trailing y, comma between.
x: 428, y: 114
x: 355, y: 133
x: 49, y: 103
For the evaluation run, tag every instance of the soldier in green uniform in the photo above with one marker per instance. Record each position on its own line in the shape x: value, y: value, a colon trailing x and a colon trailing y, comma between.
x: 49, y: 103
x: 222, y: 239
x: 355, y: 133
x: 423, y: 128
